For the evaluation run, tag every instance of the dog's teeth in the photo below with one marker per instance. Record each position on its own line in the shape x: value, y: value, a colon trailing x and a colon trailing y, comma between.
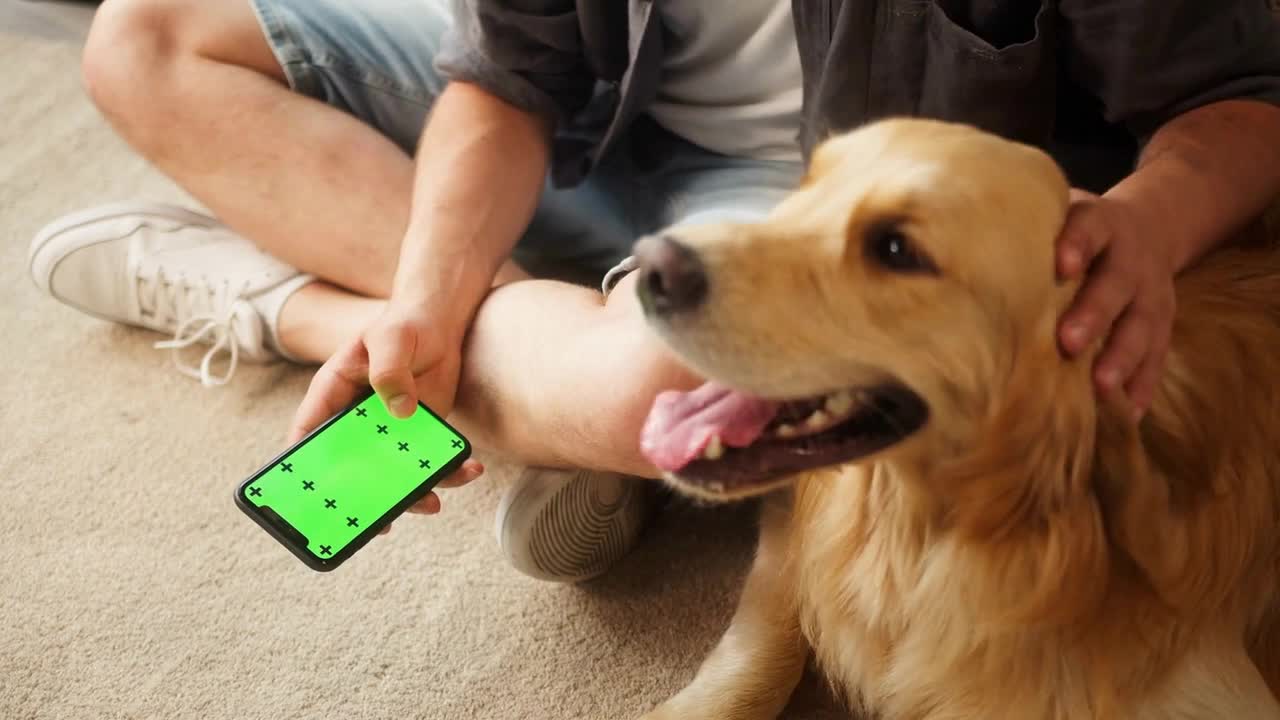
x: 839, y: 404
x: 818, y: 419
x: 786, y: 431
x: 715, y: 449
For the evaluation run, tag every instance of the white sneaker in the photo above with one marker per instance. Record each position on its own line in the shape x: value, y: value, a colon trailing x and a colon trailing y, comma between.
x: 170, y: 270
x: 569, y: 526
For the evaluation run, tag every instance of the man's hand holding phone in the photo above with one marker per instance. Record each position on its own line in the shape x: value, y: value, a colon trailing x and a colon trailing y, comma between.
x: 407, y: 355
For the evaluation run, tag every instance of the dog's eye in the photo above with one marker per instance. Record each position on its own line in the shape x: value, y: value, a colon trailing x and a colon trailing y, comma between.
x: 888, y: 247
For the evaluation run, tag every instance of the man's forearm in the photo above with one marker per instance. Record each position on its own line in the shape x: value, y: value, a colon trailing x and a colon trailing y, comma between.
x: 1204, y: 176
x: 480, y: 171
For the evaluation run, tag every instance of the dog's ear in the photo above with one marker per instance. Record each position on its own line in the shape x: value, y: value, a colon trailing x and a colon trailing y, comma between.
x: 1025, y: 497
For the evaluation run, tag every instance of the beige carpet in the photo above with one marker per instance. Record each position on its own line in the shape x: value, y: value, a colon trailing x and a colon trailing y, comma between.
x: 131, y: 587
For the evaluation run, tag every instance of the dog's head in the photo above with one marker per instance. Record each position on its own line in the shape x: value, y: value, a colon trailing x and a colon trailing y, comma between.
x: 879, y: 311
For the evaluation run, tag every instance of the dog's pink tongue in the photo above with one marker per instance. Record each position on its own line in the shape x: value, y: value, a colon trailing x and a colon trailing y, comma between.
x: 681, y: 424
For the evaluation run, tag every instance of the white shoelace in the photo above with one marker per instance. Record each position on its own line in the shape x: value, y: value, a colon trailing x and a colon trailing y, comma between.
x: 216, y: 313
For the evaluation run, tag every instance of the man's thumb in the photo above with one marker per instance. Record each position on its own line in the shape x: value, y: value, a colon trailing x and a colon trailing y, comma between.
x: 390, y: 354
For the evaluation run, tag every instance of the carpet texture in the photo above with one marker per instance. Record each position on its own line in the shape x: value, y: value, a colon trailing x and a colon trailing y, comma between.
x: 131, y: 587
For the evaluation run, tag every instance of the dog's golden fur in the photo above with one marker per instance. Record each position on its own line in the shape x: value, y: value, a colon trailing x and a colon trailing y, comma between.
x: 1031, y: 553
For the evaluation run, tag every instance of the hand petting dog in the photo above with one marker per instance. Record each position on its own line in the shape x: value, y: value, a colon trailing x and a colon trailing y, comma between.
x: 1127, y: 296
x: 1198, y: 181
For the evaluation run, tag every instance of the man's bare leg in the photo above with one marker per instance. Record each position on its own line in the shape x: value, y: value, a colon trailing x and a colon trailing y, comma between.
x: 195, y: 88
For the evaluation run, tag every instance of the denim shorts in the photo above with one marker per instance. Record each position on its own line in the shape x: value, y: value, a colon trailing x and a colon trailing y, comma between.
x: 374, y: 60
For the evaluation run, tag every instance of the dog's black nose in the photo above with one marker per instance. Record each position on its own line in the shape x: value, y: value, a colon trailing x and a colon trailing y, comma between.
x: 672, y: 278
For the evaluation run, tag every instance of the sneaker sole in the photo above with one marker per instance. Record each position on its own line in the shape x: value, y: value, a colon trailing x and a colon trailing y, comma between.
x: 575, y: 536
x: 48, y: 247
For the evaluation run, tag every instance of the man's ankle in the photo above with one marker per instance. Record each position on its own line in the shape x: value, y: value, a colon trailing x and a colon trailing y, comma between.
x: 319, y: 318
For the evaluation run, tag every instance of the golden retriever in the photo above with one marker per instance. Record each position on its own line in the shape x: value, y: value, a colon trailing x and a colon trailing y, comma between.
x: 955, y: 527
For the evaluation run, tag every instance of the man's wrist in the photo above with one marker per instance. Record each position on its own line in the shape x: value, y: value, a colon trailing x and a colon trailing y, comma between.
x: 448, y: 315
x: 446, y: 297
x: 1203, y: 177
x: 1171, y: 207
x: 1147, y: 216
x: 445, y: 323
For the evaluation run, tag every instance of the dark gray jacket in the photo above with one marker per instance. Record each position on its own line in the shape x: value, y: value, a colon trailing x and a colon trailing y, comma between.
x: 1089, y: 80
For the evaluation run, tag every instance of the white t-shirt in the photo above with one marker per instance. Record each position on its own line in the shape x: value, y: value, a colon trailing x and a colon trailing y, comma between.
x: 731, y: 79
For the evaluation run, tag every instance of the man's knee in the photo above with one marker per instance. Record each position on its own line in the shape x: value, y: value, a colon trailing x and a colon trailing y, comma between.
x: 135, y: 47
x: 129, y: 41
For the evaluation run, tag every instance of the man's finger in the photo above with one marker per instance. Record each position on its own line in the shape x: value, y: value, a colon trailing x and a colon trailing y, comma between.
x: 429, y: 505
x: 1084, y: 237
x: 1146, y: 379
x: 1126, y: 349
x: 391, y: 349
x: 1142, y: 388
x: 334, y: 386
x: 470, y: 470
x: 1097, y: 305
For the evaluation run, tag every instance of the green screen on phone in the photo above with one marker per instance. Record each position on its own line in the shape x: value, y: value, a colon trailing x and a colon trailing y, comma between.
x: 350, y: 477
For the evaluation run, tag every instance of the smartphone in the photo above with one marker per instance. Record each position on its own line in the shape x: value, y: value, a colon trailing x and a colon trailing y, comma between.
x: 331, y: 493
